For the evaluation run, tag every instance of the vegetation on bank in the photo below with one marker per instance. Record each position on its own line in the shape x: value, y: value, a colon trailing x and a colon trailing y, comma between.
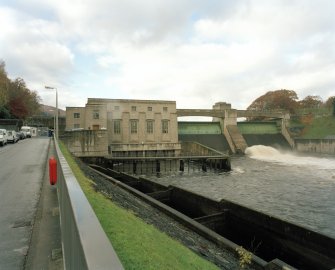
x: 288, y: 100
x: 311, y: 117
x: 138, y: 245
x: 319, y: 128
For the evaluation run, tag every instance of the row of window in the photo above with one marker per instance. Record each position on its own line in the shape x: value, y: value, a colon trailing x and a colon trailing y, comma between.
x: 134, y: 126
x: 133, y: 109
x: 95, y: 115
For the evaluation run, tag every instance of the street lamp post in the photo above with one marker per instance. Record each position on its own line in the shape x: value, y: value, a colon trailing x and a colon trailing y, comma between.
x: 56, y: 127
x: 54, y: 119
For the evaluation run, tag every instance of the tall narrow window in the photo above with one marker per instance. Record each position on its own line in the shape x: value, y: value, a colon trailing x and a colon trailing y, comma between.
x: 165, y: 126
x: 150, y: 126
x: 133, y: 108
x: 117, y: 126
x: 165, y: 109
x: 76, y: 115
x: 95, y: 114
x: 133, y: 126
x: 149, y: 109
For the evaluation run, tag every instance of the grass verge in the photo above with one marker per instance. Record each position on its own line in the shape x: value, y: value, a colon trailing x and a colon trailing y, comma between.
x: 138, y: 244
x: 320, y: 128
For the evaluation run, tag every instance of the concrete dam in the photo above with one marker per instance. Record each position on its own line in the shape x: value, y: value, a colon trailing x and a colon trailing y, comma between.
x: 252, y: 132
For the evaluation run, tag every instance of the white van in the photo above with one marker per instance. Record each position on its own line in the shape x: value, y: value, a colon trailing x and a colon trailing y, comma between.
x: 3, y: 137
x: 26, y: 130
x: 12, y: 136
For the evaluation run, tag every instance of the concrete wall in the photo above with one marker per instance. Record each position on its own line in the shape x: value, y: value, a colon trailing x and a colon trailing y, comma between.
x: 81, y: 232
x: 215, y: 141
x: 322, y: 146
x: 258, y: 127
x: 72, y: 122
x: 87, y: 143
x: 197, y: 149
x: 199, y: 128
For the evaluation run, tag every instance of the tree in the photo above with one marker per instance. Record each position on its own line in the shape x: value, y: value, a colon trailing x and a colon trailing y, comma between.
x: 311, y: 102
x: 330, y: 103
x: 3, y: 85
x: 16, y: 100
x: 273, y: 100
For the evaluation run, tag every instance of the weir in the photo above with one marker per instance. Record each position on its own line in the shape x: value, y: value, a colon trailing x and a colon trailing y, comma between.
x: 273, y: 242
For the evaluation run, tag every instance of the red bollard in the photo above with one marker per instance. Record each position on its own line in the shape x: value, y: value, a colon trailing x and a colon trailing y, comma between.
x: 52, y: 170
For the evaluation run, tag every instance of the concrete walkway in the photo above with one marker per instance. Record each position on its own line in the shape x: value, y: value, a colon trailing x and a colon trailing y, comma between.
x: 45, y: 248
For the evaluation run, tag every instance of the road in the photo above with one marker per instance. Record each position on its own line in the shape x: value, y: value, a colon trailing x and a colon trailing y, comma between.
x: 22, y: 169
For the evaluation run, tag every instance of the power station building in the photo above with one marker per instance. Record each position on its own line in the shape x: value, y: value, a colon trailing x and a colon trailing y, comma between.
x: 134, y: 127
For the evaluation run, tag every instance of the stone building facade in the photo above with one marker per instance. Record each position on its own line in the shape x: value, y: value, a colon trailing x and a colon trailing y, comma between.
x: 134, y: 127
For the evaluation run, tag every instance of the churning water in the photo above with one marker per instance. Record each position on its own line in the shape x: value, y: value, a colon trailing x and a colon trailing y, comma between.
x: 297, y: 188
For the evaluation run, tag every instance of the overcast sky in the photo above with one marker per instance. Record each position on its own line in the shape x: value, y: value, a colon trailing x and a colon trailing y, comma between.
x: 192, y: 51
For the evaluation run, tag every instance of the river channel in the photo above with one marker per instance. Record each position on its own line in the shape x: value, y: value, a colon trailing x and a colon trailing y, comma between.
x: 296, y: 188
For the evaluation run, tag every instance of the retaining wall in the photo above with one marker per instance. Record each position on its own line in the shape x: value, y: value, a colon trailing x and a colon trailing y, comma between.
x: 84, y: 243
x: 87, y: 143
x: 322, y: 146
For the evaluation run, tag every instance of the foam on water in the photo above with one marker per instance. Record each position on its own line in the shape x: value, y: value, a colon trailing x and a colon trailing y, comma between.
x: 270, y: 154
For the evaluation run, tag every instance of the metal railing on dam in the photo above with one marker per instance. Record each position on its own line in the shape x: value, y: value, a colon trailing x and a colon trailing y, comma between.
x: 84, y: 243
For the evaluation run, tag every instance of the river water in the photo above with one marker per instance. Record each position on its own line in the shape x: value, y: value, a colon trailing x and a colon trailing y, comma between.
x: 296, y: 188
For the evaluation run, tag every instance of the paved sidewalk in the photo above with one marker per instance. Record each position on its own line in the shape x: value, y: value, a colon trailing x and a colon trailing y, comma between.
x: 45, y: 248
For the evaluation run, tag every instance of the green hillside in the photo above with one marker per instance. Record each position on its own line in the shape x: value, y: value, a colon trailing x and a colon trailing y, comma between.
x: 315, y: 127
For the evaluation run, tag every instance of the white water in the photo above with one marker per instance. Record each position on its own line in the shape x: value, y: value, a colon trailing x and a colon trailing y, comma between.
x: 293, y: 187
x: 269, y: 154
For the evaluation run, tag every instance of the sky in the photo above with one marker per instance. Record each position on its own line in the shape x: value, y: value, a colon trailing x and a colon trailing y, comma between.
x: 194, y: 52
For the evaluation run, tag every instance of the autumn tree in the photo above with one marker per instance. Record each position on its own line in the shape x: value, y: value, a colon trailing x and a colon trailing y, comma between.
x: 16, y: 100
x: 273, y: 100
x: 311, y: 102
x: 4, y: 82
x: 330, y: 103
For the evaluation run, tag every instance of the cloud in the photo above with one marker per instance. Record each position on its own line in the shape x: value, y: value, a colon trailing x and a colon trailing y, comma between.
x: 195, y: 52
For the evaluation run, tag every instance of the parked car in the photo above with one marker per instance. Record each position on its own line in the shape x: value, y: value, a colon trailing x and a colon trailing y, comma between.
x: 21, y: 135
x: 3, y: 137
x: 12, y: 136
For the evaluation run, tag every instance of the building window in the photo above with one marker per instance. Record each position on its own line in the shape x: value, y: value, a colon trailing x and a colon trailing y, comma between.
x: 76, y: 115
x: 150, y: 126
x: 165, y: 109
x: 95, y: 114
x: 117, y: 126
x: 165, y: 126
x: 116, y: 108
x: 76, y: 126
x: 133, y: 126
x: 149, y: 109
x: 133, y: 108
